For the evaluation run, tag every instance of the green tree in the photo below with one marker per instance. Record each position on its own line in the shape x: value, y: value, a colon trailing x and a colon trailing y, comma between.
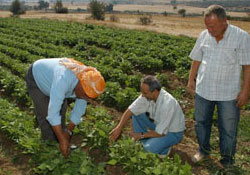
x: 182, y: 12
x: 17, y: 8
x: 59, y: 7
x: 42, y: 4
x: 97, y: 9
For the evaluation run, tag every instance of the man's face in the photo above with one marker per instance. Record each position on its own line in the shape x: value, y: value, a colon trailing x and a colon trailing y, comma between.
x: 146, y: 93
x: 216, y: 27
x: 80, y: 93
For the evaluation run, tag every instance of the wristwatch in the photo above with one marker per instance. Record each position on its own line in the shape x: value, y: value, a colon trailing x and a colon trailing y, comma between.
x: 69, y: 132
x: 142, y: 135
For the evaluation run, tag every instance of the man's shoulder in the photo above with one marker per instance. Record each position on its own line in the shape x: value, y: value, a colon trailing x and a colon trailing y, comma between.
x: 235, y: 30
x: 167, y: 96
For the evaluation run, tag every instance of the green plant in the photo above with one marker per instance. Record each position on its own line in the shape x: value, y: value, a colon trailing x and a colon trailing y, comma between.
x: 97, y: 9
x: 145, y: 20
x: 17, y: 8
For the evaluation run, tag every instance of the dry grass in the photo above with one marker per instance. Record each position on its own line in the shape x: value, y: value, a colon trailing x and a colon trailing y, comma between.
x: 174, y: 25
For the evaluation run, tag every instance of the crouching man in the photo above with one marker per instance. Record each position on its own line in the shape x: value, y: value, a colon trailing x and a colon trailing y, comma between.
x: 157, y: 118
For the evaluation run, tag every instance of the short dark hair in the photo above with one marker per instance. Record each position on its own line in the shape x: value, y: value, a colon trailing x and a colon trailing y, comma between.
x: 218, y: 10
x: 152, y: 83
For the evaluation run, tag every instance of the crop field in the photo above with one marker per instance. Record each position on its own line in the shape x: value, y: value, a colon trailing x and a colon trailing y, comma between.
x: 123, y: 57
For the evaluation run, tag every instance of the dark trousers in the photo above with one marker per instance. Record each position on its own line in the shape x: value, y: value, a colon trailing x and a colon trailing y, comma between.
x: 41, y: 103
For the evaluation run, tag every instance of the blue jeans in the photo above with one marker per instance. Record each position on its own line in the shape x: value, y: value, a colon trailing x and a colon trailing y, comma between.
x: 228, y: 119
x: 158, y: 145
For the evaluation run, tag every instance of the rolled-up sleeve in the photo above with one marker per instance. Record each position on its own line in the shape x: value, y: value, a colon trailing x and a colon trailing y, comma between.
x: 78, y: 111
x: 139, y: 106
x: 196, y: 53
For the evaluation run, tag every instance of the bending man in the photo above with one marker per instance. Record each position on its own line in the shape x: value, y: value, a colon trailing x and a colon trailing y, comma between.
x: 50, y: 82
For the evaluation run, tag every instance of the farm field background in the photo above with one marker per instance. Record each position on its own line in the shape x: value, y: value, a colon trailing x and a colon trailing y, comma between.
x: 123, y: 57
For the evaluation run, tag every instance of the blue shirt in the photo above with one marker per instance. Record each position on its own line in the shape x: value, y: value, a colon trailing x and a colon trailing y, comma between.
x: 58, y: 82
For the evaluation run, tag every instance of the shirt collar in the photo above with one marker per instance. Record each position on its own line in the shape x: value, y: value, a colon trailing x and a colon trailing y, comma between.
x: 226, y: 34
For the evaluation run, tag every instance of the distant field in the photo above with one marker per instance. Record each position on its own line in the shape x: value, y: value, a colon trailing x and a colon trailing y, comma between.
x: 174, y: 25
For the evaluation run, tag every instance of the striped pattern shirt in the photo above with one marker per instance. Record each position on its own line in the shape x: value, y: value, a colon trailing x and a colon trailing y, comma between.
x: 219, y: 73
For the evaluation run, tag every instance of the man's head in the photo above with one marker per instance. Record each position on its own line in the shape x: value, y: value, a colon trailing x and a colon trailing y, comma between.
x: 150, y: 87
x: 91, y: 82
x: 216, y: 20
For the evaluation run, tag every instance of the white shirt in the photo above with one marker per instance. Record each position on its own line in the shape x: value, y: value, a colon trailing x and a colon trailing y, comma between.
x: 219, y: 73
x: 166, y: 112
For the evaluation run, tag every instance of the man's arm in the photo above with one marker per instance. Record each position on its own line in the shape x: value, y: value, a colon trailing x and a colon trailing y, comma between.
x: 115, y: 133
x: 63, y: 141
x: 244, y: 93
x: 149, y: 134
x: 192, y: 75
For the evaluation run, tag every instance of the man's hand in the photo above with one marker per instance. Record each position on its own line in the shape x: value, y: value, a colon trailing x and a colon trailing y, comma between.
x: 63, y: 140
x: 64, y: 147
x: 242, y: 98
x: 67, y: 136
x: 114, y: 134
x: 191, y: 87
x: 136, y: 135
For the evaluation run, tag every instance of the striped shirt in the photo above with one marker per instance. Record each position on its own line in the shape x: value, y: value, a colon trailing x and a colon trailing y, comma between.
x: 219, y: 73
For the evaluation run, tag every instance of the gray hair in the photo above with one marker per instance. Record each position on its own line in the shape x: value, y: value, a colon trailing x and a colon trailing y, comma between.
x: 218, y: 10
x: 152, y: 83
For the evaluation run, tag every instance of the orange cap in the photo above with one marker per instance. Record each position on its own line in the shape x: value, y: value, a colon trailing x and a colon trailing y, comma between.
x: 90, y: 78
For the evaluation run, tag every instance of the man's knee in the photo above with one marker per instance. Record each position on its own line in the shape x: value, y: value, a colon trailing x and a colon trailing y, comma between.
x: 151, y: 148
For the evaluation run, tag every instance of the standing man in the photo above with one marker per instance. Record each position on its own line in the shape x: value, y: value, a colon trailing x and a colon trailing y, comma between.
x: 50, y: 82
x: 158, y: 121
x: 218, y: 57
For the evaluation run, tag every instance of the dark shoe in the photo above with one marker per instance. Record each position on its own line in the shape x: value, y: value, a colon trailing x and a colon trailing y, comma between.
x: 227, y: 163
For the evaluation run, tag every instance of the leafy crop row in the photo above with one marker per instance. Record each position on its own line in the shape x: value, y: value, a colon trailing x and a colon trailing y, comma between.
x: 122, y: 56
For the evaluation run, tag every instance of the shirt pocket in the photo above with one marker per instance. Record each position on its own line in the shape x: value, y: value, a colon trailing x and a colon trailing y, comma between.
x: 229, y: 56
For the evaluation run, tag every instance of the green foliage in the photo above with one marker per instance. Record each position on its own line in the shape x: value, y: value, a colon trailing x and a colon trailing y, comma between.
x: 182, y: 12
x: 145, y: 20
x: 96, y: 127
x: 109, y: 95
x: 163, y: 78
x: 135, y: 160
x: 134, y: 81
x: 17, y: 8
x: 125, y: 97
x: 59, y: 7
x: 109, y: 7
x: 122, y: 56
x: 97, y: 9
x: 43, y: 4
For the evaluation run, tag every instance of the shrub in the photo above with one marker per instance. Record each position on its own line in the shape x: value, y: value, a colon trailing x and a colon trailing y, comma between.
x: 114, y: 18
x: 59, y: 7
x: 17, y: 8
x: 43, y: 4
x: 182, y: 12
x: 97, y: 9
x: 109, y: 7
x: 145, y: 20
